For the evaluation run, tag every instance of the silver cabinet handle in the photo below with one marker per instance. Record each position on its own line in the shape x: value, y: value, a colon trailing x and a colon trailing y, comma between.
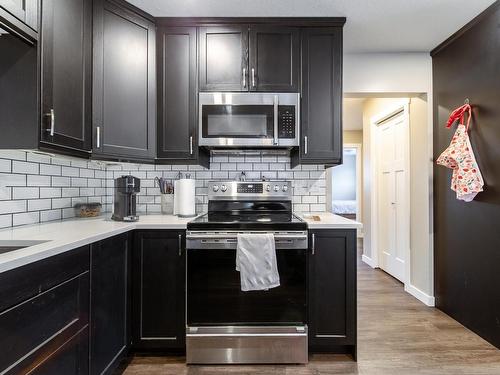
x: 276, y: 103
x: 313, y: 244
x: 98, y: 136
x: 180, y: 244
x: 191, y: 145
x: 253, y: 77
x: 52, y: 116
x: 244, y: 77
x: 305, y: 145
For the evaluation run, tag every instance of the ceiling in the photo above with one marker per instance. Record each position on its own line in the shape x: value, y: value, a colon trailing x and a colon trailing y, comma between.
x: 352, y: 113
x: 372, y: 25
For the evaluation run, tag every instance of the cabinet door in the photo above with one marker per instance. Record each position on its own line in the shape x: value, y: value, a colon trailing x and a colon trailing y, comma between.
x: 177, y: 93
x: 124, y: 110
x: 159, y: 290
x: 224, y: 58
x: 33, y: 332
x: 66, y: 47
x: 24, y: 10
x: 109, y: 313
x: 274, y: 58
x: 332, y: 290
x: 321, y: 131
x: 71, y: 358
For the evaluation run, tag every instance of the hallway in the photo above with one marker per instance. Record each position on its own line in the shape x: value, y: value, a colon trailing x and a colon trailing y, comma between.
x: 396, y: 335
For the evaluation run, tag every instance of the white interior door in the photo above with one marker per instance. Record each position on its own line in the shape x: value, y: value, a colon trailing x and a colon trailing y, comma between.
x: 393, y: 194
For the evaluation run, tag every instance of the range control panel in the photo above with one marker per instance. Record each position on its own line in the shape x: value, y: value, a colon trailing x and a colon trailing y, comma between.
x: 286, y: 121
x: 250, y: 190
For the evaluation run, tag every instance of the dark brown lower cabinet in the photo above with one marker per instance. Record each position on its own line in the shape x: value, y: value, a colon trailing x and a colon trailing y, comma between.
x: 44, y: 327
x: 110, y: 302
x: 332, y: 291
x: 159, y: 290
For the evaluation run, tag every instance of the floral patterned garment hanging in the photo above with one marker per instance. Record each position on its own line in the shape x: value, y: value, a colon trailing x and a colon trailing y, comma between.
x: 466, y: 179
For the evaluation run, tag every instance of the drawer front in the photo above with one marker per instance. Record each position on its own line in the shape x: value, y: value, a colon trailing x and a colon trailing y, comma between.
x: 26, y: 282
x: 34, y: 329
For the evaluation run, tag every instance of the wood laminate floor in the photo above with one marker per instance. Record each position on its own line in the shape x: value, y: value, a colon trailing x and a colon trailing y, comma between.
x: 397, y: 335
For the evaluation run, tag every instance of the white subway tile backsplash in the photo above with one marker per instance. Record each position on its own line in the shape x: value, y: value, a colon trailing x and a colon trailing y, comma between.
x: 61, y: 203
x: 7, y: 179
x: 10, y: 207
x: 37, y: 157
x: 5, y: 193
x: 50, y: 170
x: 63, y: 182
x: 5, y: 165
x: 50, y: 192
x: 13, y: 154
x: 25, y: 192
x: 39, y: 204
x: 228, y: 166
x: 25, y: 218
x: 24, y: 167
x: 70, y: 171
x: 5, y: 221
x: 36, y: 180
x: 50, y: 215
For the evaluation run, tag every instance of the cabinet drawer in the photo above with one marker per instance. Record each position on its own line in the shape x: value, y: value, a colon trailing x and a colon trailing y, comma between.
x: 31, y: 331
x: 25, y: 282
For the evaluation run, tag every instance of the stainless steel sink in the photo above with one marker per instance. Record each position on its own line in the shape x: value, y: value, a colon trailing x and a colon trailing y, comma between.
x: 13, y: 245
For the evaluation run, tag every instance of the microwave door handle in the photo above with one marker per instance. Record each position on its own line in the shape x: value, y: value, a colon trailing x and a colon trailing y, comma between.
x: 244, y: 78
x: 276, y: 102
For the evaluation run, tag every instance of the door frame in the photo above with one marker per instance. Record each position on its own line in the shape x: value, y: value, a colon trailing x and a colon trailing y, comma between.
x: 375, y: 121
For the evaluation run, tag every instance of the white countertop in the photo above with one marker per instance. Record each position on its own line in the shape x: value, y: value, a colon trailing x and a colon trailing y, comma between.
x: 47, y: 239
x: 61, y: 236
x: 329, y: 221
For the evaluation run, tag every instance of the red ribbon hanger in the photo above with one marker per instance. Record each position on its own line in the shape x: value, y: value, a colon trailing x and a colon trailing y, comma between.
x: 459, y: 114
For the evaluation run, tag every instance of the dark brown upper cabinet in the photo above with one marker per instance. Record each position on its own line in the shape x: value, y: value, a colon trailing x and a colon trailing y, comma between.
x: 124, y: 91
x: 249, y: 58
x: 177, y: 96
x: 66, y: 75
x: 321, y: 114
x: 274, y: 58
x: 20, y: 17
x: 223, y: 58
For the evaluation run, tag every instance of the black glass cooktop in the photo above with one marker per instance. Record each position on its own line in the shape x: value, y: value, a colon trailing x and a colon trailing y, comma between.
x: 235, y: 220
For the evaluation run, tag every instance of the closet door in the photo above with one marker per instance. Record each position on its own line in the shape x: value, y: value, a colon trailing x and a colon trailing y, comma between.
x: 393, y: 195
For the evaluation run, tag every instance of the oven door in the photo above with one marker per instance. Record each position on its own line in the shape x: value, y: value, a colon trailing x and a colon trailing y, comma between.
x: 214, y: 296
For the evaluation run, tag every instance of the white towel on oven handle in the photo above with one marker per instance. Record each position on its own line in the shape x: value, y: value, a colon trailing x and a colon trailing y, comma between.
x: 256, y: 261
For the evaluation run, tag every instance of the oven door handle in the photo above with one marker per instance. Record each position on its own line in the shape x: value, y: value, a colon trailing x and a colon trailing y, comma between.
x: 230, y: 238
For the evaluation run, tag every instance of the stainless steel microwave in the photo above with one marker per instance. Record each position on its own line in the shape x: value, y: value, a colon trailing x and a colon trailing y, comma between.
x: 249, y: 119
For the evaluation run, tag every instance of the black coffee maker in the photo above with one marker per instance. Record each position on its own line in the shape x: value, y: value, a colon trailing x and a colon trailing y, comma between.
x: 125, y: 204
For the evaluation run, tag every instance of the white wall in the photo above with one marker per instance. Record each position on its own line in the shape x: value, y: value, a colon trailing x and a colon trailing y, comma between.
x: 387, y: 73
x: 379, y: 75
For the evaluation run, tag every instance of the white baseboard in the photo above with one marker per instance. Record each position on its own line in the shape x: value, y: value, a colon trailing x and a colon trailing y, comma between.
x: 421, y: 296
x: 368, y: 261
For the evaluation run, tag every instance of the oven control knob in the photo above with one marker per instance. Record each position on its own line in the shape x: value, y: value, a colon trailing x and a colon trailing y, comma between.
x: 285, y: 188
x: 276, y: 188
x: 223, y: 188
x: 215, y: 188
x: 268, y: 188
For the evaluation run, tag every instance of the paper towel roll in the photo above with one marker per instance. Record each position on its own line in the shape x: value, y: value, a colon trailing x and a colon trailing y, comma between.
x: 184, y: 197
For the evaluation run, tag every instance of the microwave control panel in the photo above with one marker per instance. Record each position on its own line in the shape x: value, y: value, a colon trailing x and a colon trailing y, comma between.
x: 286, y: 121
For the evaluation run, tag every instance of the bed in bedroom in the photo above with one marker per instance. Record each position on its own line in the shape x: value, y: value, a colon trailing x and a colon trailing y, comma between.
x: 345, y: 208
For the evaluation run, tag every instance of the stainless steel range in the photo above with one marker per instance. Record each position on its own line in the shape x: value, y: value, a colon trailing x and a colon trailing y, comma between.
x: 225, y: 324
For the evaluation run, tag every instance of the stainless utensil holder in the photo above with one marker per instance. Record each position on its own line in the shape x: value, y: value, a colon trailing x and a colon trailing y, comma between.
x: 167, y: 204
